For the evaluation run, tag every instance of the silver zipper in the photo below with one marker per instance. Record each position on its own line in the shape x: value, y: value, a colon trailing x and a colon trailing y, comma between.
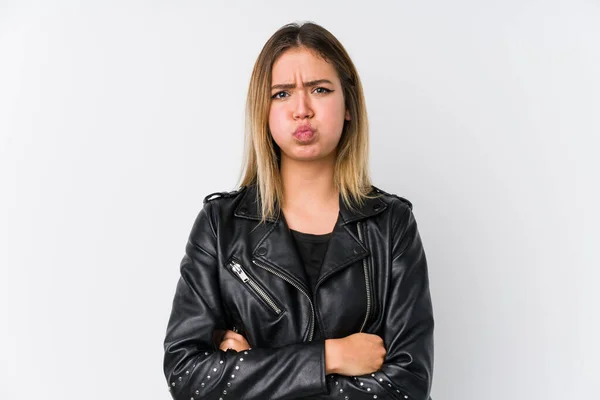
x: 239, y: 271
x: 368, y: 287
x: 312, y: 315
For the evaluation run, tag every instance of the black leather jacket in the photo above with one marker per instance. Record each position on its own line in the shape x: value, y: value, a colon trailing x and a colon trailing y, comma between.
x: 240, y: 275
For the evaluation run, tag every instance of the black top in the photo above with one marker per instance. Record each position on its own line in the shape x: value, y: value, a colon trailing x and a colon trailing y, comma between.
x: 312, y: 249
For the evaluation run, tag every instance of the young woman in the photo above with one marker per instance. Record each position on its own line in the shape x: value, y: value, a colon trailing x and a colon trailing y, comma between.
x: 308, y: 282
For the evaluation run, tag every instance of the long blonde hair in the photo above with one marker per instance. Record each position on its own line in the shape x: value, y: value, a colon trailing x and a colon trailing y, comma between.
x: 261, y: 155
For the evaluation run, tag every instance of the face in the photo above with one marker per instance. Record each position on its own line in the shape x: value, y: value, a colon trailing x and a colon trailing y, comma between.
x: 306, y: 93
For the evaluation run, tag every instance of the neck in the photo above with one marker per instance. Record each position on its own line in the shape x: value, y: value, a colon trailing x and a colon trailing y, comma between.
x: 308, y: 183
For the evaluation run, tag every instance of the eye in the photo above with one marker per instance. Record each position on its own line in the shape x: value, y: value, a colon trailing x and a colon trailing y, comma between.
x: 322, y: 90
x: 277, y: 95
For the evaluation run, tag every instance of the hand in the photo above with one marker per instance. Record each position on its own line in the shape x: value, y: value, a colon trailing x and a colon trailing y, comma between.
x: 357, y: 354
x: 235, y: 341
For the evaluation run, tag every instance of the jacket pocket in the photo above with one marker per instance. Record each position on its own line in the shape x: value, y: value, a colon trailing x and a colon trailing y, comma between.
x: 236, y: 268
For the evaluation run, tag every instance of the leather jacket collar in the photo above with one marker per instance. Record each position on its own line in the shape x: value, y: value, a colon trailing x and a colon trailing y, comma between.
x: 249, y: 207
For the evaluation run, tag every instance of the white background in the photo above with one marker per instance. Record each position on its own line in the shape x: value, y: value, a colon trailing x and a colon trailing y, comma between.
x: 118, y: 117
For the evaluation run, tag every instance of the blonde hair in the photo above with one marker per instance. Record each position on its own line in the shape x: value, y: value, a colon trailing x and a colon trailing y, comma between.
x: 261, y: 156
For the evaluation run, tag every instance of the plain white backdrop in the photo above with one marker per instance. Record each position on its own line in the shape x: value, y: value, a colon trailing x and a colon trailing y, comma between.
x: 118, y: 117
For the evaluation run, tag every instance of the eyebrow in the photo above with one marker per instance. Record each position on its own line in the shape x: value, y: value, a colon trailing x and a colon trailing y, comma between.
x: 293, y: 85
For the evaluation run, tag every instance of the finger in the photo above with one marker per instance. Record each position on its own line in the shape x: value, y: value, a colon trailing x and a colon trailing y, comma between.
x: 241, y: 342
x: 229, y: 344
x: 232, y: 335
x: 234, y: 344
x: 225, y: 345
x: 375, y: 338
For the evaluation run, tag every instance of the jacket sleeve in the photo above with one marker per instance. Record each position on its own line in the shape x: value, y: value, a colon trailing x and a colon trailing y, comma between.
x: 194, y: 366
x: 407, y: 371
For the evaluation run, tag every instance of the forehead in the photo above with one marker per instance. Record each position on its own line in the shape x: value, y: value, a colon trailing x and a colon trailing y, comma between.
x: 301, y: 63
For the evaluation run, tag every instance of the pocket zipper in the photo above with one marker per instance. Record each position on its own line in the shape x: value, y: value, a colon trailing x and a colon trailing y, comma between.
x: 237, y: 269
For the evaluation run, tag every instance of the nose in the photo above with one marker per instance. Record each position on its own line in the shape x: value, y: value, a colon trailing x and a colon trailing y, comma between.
x: 302, y: 108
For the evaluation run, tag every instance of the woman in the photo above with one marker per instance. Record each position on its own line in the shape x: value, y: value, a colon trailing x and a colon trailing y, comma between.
x: 307, y: 282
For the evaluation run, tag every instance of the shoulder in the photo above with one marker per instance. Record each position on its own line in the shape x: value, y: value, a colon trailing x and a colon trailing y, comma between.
x: 223, y: 195
x: 214, y: 205
x: 401, y: 214
x: 393, y: 199
x: 217, y: 203
x: 399, y: 209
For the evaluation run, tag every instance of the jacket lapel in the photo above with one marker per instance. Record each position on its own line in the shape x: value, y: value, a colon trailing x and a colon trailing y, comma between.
x: 344, y: 249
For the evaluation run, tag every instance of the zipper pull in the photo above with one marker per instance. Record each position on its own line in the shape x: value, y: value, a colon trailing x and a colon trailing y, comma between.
x: 235, y: 267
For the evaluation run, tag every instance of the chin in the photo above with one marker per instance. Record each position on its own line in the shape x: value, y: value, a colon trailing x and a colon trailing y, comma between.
x: 315, y: 155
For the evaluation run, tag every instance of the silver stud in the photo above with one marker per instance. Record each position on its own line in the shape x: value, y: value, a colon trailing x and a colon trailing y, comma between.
x: 346, y: 398
x: 341, y: 390
x: 179, y: 379
x: 202, y: 384
x: 241, y: 359
x: 197, y: 392
x: 206, y: 353
x: 380, y: 379
x: 237, y: 367
x: 173, y: 383
x: 191, y: 398
x: 214, y: 369
x: 389, y: 384
x: 207, y: 376
x: 232, y: 376
x: 374, y: 396
x: 228, y: 384
x: 373, y: 375
x: 336, y: 382
x: 245, y: 352
x: 368, y: 389
x: 221, y: 362
x: 361, y: 384
x: 187, y: 372
x: 405, y: 396
x: 224, y: 391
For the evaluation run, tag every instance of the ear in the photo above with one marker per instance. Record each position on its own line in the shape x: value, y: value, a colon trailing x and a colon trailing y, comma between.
x: 348, y: 115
